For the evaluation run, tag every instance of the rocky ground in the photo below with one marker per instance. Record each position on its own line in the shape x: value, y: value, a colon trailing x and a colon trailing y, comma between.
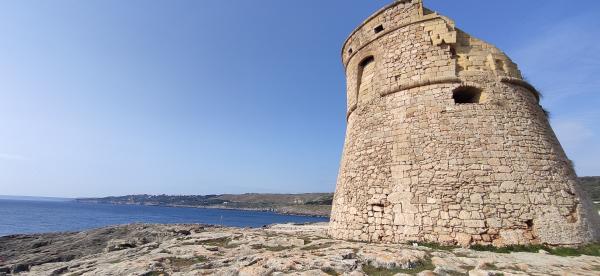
x: 285, y: 249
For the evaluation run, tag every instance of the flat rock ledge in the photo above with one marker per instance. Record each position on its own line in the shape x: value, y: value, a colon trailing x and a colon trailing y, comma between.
x: 283, y: 249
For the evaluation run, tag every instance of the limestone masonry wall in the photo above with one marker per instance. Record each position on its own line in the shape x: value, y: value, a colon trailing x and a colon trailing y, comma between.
x: 447, y: 143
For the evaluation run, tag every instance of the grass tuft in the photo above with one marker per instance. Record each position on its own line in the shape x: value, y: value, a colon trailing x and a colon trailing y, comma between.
x: 270, y: 248
x: 220, y: 242
x: 590, y: 249
x: 415, y: 269
x: 435, y: 246
x: 317, y: 246
x: 155, y: 273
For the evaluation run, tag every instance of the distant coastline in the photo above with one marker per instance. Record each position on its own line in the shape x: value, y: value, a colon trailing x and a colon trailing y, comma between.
x: 313, y: 204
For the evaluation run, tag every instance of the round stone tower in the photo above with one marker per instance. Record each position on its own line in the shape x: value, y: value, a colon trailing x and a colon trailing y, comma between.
x: 447, y: 143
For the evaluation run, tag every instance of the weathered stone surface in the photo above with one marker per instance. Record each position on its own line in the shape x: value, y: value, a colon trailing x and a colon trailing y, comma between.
x: 405, y: 258
x: 447, y: 143
x: 252, y: 252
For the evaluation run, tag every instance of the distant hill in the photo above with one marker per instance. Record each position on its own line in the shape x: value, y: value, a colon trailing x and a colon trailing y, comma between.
x: 313, y: 204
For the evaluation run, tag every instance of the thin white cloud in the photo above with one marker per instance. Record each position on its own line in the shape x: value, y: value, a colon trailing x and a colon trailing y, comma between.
x: 572, y: 132
x: 12, y: 157
x: 579, y: 136
x: 563, y: 60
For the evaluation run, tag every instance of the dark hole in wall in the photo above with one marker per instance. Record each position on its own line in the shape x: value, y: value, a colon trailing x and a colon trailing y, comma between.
x: 453, y: 52
x: 529, y: 223
x: 466, y: 95
x: 366, y: 61
x: 350, y: 51
x: 499, y: 65
x: 379, y: 29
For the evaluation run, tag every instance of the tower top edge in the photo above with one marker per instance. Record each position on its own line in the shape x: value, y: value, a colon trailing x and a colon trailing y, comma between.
x: 377, y: 13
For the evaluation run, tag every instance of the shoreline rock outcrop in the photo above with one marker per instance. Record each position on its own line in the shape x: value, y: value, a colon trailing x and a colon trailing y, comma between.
x: 284, y: 249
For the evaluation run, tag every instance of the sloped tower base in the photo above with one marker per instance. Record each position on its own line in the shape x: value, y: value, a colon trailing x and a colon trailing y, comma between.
x: 447, y: 143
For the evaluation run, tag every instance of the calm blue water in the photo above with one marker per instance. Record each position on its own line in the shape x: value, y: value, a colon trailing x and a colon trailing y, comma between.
x: 19, y: 216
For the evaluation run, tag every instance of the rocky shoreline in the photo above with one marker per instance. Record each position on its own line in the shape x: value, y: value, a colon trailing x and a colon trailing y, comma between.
x: 284, y: 249
x: 321, y: 212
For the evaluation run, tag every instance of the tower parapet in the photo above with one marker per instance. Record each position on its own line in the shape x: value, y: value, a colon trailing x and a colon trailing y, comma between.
x: 447, y: 143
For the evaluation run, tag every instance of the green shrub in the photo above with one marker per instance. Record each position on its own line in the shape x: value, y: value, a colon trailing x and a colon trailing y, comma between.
x: 435, y: 246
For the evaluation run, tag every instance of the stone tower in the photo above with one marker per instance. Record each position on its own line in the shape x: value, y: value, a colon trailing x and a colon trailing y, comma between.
x: 446, y: 142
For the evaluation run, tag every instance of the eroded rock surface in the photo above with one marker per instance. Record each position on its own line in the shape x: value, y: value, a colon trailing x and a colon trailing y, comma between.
x: 284, y: 249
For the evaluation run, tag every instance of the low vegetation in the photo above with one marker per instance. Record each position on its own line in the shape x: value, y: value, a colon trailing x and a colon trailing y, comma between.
x: 270, y: 248
x: 415, y: 269
x: 590, y: 250
x: 317, y: 246
x: 224, y: 242
x: 155, y: 273
x: 435, y: 246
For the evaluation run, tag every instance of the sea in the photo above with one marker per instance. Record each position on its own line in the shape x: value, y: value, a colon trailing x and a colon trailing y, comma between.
x: 27, y: 216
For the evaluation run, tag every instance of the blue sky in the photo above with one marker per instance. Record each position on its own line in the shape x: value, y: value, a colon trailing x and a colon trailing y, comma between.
x: 116, y: 97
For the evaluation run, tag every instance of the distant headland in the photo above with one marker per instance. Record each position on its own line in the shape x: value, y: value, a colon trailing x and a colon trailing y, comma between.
x: 310, y: 204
